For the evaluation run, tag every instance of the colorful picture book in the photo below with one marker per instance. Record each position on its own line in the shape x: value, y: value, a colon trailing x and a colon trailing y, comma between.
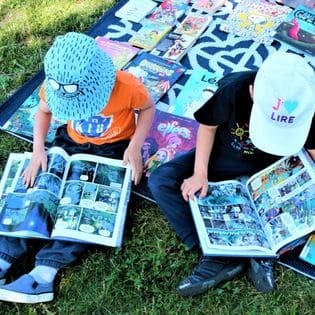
x: 308, y: 251
x: 194, y: 24
x: 255, y: 19
x: 156, y: 73
x: 135, y: 10
x: 169, y: 136
x: 149, y: 34
x: 298, y: 29
x: 81, y: 198
x: 169, y: 11
x: 274, y: 208
x: 21, y: 123
x: 173, y: 46
x: 209, y: 6
x: 120, y: 52
x: 199, y: 87
x: 294, y: 3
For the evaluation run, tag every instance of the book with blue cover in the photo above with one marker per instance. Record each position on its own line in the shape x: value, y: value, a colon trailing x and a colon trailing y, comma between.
x: 156, y: 73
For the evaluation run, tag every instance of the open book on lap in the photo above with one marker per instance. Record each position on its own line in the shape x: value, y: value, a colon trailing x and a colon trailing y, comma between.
x: 80, y: 198
x: 262, y: 217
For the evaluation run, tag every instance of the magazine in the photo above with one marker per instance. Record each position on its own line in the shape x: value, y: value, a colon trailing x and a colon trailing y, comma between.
x: 80, y: 198
x: 169, y: 136
x: 21, y: 123
x: 194, y: 24
x: 199, y: 88
x: 255, y: 19
x: 209, y: 6
x: 173, y: 46
x: 156, y: 73
x: 308, y: 251
x: 261, y: 217
x: 135, y: 10
x: 169, y: 11
x: 294, y: 3
x: 298, y: 29
x: 120, y: 52
x: 149, y: 34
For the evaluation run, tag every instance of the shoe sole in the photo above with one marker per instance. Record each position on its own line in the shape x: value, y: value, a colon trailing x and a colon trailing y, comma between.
x: 200, y: 288
x: 17, y: 297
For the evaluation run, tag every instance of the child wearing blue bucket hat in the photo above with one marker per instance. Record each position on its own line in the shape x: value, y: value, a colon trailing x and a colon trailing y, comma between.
x: 98, y: 104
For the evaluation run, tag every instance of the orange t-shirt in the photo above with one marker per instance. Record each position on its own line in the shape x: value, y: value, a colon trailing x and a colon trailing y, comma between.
x: 117, y: 120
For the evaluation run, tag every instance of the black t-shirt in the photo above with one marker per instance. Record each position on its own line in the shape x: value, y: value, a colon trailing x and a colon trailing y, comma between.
x: 233, y: 152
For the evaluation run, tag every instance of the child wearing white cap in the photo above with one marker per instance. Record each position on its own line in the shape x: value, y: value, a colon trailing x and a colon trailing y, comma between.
x: 98, y: 105
x: 251, y: 120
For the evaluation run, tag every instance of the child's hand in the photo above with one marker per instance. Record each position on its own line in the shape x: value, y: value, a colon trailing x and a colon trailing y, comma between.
x: 133, y: 156
x: 37, y: 162
x: 194, y: 184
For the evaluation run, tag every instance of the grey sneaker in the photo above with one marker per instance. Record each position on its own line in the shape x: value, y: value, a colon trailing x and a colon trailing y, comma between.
x: 261, y: 274
x: 209, y: 273
x: 3, y: 274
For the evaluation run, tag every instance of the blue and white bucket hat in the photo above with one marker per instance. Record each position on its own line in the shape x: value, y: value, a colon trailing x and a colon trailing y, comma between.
x: 79, y: 77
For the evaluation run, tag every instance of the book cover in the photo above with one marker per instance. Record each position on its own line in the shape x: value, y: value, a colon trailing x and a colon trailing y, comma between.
x: 298, y: 29
x: 149, y: 34
x: 135, y: 10
x: 199, y: 87
x: 120, y: 52
x: 255, y: 19
x: 156, y: 73
x: 194, y: 24
x: 261, y: 217
x: 81, y: 198
x: 21, y: 123
x: 294, y: 3
x: 209, y: 6
x: 169, y: 11
x: 173, y: 46
x: 308, y: 251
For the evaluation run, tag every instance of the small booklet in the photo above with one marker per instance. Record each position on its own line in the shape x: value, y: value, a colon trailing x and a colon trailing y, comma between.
x: 120, y: 52
x: 156, y: 73
x: 298, y: 29
x: 261, y: 217
x: 308, y: 251
x: 150, y: 33
x: 81, y: 198
x: 294, y: 3
x: 209, y: 6
x: 135, y: 10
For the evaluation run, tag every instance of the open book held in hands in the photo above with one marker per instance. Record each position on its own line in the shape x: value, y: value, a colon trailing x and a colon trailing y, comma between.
x: 262, y: 217
x: 80, y: 198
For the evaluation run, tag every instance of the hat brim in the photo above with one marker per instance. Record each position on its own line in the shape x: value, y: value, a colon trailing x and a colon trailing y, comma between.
x: 276, y: 140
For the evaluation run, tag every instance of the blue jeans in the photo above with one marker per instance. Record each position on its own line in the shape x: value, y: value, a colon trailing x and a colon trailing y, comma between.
x: 165, y: 183
x: 59, y: 254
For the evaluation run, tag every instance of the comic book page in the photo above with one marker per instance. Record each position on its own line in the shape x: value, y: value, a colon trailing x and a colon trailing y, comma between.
x: 93, y: 201
x: 284, y: 196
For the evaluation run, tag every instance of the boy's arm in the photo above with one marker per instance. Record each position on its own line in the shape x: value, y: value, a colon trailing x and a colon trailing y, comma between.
x: 199, y: 180
x: 39, y: 158
x: 132, y: 154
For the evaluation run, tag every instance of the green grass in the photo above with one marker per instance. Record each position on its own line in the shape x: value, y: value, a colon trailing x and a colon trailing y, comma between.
x: 141, y: 277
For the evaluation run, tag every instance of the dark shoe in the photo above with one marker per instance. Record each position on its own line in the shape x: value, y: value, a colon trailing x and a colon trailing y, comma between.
x: 261, y: 274
x: 3, y: 274
x: 209, y: 273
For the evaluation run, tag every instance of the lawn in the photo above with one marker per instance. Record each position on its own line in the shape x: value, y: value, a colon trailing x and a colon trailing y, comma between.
x: 141, y: 277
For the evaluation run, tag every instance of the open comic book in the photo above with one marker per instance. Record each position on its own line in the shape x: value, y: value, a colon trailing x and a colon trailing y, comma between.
x: 261, y: 217
x: 80, y: 198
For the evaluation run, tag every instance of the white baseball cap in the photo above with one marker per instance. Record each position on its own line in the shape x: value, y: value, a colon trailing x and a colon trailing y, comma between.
x: 283, y: 104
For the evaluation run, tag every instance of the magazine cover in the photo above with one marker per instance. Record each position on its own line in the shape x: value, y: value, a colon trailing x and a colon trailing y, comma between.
x: 298, y: 29
x: 199, y: 87
x: 294, y: 3
x: 156, y: 73
x: 173, y: 46
x: 149, y: 34
x: 255, y: 19
x: 21, y: 123
x: 209, y: 6
x: 120, y: 52
x: 135, y: 10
